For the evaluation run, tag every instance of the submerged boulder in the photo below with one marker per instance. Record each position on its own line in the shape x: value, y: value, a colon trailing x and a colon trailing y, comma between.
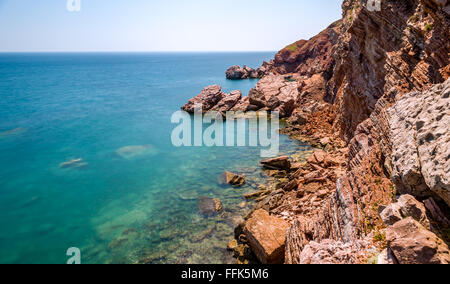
x: 73, y: 164
x: 231, y: 178
x: 133, y: 151
x: 266, y: 235
x: 209, y: 206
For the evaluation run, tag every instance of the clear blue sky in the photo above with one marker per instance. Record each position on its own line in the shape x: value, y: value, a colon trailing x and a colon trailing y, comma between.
x: 162, y: 25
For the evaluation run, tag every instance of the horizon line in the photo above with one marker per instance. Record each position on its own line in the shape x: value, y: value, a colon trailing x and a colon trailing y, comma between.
x: 143, y: 51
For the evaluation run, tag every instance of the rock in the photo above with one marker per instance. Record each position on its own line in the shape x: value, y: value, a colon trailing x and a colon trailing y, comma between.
x: 228, y: 102
x: 293, y: 184
x: 279, y: 163
x: 276, y: 94
x: 130, y: 152
x: 209, y: 206
x: 333, y: 252
x: 406, y: 206
x: 236, y: 72
x: 232, y: 245
x: 410, y: 207
x: 391, y: 214
x: 411, y: 243
x: 298, y: 118
x: 325, y: 141
x: 421, y: 142
x: 231, y: 178
x: 436, y: 212
x: 317, y: 157
x: 208, y: 98
x: 12, y: 132
x: 266, y: 235
x: 256, y: 194
x: 242, y: 105
x: 73, y: 164
x: 386, y: 257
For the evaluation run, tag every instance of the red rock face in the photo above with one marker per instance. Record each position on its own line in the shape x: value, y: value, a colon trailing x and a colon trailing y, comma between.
x: 308, y: 57
x: 405, y: 46
x: 377, y: 58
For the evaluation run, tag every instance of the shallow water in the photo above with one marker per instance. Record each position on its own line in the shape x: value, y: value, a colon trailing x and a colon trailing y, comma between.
x: 133, y: 196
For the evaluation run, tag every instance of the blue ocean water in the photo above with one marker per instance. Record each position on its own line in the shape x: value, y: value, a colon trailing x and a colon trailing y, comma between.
x: 135, y: 197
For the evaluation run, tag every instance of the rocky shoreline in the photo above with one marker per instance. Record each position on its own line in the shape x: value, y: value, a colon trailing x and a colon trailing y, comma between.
x: 372, y: 92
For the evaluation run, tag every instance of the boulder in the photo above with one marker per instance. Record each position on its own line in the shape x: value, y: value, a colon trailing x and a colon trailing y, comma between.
x: 410, y: 207
x: 236, y: 73
x: 208, y: 98
x: 406, y: 206
x: 209, y: 206
x: 231, y: 178
x: 228, y: 102
x: 266, y: 235
x: 279, y: 163
x: 242, y: 105
x: 391, y: 214
x: 333, y: 252
x: 411, y: 243
x: 276, y: 94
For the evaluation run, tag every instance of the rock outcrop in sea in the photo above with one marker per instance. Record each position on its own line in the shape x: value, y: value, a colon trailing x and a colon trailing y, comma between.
x: 373, y: 92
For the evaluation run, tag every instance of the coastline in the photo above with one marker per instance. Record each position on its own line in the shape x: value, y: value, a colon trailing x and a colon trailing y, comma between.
x: 377, y: 189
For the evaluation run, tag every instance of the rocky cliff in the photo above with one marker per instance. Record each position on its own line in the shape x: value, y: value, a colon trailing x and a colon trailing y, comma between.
x: 372, y: 90
x: 384, y: 101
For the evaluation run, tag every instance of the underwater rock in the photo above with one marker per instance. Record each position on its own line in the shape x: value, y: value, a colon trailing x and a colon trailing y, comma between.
x: 209, y: 206
x: 231, y: 178
x: 188, y: 194
x: 130, y: 152
x: 12, y: 132
x: 73, y: 164
x: 203, y: 235
x: 116, y: 243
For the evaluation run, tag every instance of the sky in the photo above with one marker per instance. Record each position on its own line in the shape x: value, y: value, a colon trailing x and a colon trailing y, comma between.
x: 161, y: 25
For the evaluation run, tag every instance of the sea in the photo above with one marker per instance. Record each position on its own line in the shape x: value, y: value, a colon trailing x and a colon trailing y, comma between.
x: 87, y: 161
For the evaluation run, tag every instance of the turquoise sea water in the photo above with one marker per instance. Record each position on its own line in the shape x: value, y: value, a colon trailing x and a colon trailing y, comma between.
x: 123, y: 205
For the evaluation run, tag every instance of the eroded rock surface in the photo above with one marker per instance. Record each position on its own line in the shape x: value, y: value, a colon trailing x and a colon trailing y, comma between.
x: 421, y: 142
x: 334, y: 252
